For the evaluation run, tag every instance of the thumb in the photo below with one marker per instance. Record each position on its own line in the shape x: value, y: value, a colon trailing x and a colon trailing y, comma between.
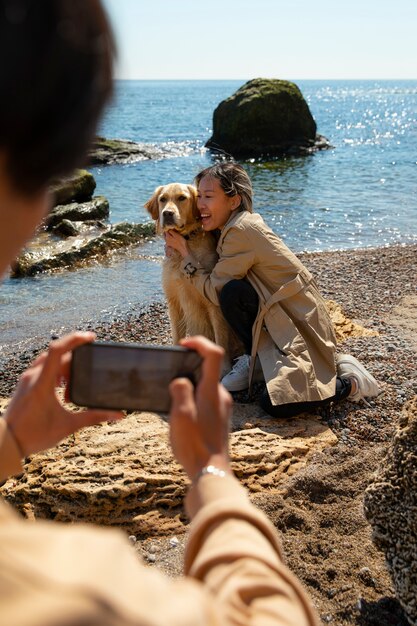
x: 181, y: 390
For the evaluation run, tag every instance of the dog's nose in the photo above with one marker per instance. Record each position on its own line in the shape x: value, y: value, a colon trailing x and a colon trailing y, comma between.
x: 168, y: 216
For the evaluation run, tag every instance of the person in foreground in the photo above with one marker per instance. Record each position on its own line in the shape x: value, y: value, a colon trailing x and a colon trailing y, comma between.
x: 53, y: 574
x: 271, y: 301
x: 57, y: 78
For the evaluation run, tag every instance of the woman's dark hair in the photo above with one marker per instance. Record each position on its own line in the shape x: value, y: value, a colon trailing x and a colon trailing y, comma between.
x: 233, y: 180
x: 55, y: 78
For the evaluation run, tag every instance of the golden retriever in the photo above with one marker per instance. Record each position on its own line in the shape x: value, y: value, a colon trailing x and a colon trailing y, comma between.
x: 175, y: 206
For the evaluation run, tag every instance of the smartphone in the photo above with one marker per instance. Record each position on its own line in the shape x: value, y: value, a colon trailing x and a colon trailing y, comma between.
x: 106, y: 375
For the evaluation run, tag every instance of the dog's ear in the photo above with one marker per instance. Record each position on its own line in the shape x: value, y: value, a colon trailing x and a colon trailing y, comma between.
x: 152, y: 204
x: 193, y: 193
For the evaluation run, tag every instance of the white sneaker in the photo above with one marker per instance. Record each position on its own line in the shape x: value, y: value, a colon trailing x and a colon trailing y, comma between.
x: 349, y: 367
x: 238, y: 377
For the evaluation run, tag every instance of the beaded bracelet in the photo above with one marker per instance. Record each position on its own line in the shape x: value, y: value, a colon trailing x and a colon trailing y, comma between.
x: 209, y: 469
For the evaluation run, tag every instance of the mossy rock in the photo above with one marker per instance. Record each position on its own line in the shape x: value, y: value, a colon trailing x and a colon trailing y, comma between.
x: 264, y: 118
x: 78, y: 187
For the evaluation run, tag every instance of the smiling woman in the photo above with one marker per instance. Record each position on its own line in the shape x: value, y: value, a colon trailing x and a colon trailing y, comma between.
x: 271, y: 302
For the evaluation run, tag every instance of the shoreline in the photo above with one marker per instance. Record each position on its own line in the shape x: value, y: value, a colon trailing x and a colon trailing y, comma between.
x: 346, y: 276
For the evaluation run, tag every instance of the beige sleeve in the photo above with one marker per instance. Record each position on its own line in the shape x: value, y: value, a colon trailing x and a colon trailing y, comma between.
x: 236, y: 258
x: 66, y: 575
x: 235, y: 551
x: 55, y: 574
x: 10, y: 460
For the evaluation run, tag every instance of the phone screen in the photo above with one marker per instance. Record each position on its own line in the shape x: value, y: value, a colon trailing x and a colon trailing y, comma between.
x: 129, y: 376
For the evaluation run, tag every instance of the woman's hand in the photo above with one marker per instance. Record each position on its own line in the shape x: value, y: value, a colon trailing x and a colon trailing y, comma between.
x: 199, y: 422
x: 176, y: 241
x: 35, y: 416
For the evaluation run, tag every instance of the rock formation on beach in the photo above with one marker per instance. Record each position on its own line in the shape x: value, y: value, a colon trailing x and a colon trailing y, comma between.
x: 81, y: 220
x: 113, y: 238
x: 265, y: 118
x: 124, y: 474
x: 391, y: 509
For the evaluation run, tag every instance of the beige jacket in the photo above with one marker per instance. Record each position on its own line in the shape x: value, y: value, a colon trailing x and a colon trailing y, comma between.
x: 293, y: 334
x: 55, y: 574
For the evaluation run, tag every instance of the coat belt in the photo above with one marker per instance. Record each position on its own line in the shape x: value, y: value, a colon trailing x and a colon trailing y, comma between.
x: 302, y: 280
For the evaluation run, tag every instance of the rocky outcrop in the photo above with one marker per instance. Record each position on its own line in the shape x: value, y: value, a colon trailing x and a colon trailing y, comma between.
x: 123, y: 474
x: 95, y: 209
x: 74, y: 203
x: 78, y: 187
x: 80, y: 220
x: 265, y: 118
x: 80, y: 252
x: 391, y: 509
x: 65, y: 229
x: 108, y: 151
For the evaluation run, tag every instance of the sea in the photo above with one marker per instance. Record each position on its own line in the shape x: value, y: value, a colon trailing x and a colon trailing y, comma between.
x: 362, y: 193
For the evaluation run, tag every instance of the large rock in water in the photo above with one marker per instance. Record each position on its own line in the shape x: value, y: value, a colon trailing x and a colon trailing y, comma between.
x: 264, y: 118
x: 391, y: 509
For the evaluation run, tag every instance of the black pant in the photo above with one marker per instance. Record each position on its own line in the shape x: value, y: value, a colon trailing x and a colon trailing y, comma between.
x: 239, y: 303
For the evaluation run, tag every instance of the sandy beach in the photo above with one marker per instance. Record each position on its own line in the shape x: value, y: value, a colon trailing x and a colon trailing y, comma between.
x: 318, y: 509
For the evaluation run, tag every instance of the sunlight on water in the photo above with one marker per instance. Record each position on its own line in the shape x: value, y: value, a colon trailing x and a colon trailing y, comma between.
x: 362, y: 193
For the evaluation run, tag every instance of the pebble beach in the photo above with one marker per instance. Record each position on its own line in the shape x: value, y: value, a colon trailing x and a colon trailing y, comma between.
x: 326, y: 538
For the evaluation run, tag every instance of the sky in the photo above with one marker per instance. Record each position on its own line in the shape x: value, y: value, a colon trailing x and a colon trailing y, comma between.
x: 286, y: 39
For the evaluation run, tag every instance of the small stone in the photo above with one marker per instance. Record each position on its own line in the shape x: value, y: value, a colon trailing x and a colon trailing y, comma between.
x: 151, y: 558
x: 132, y: 538
x: 173, y: 542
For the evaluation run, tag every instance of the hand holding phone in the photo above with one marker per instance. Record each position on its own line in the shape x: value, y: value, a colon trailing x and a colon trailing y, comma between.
x: 199, y: 418
x: 134, y: 377
x: 35, y: 416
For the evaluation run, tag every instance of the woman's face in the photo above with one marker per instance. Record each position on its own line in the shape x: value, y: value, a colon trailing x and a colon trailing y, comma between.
x: 214, y: 205
x: 19, y: 216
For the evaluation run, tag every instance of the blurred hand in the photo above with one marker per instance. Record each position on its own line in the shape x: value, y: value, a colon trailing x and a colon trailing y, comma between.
x: 35, y: 416
x: 168, y: 251
x: 176, y: 241
x: 199, y: 422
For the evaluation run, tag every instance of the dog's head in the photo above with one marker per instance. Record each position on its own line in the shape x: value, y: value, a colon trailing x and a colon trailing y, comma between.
x: 174, y: 206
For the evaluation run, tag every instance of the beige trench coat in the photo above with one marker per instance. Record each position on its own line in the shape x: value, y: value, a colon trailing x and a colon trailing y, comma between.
x: 293, y: 334
x: 57, y: 574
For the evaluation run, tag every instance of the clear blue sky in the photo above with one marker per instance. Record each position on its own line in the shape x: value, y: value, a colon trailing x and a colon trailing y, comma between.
x: 241, y: 39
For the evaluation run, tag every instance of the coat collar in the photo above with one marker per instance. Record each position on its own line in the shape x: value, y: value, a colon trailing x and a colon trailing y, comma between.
x: 235, y: 218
